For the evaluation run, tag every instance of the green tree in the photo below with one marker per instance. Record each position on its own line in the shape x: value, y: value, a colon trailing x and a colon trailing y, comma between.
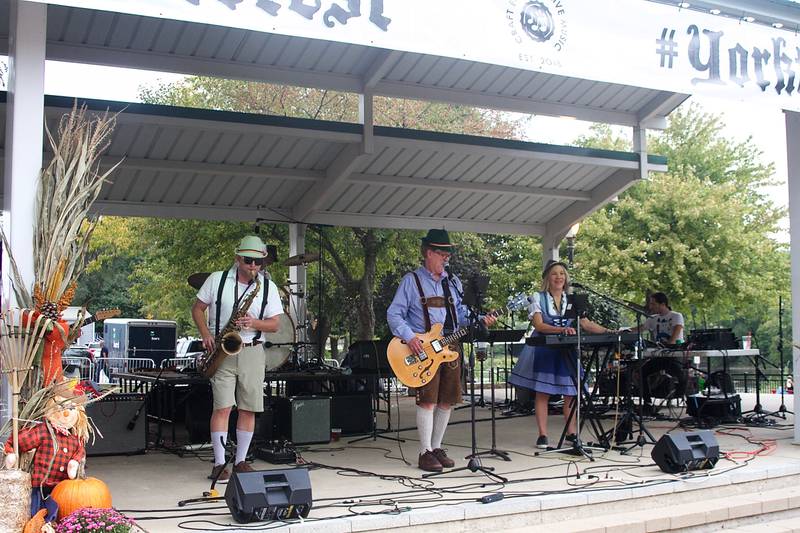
x: 702, y: 232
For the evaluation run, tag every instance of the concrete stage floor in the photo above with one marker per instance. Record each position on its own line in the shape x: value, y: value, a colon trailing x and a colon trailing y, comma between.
x: 369, y: 485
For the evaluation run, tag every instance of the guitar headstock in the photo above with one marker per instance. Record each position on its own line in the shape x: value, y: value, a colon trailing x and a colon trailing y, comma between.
x: 103, y: 314
x: 517, y: 302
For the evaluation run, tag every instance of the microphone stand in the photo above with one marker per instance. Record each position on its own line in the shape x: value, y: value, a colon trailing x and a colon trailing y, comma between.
x: 630, y: 415
x: 475, y: 294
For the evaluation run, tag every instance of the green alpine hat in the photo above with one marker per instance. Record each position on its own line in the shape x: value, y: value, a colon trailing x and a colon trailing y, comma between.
x: 251, y: 246
x: 438, y: 239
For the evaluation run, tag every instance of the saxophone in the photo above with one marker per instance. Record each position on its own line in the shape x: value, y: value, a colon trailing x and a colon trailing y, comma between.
x: 228, y: 342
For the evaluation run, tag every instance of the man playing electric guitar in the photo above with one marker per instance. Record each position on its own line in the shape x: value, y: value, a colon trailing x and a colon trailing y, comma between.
x: 425, y: 297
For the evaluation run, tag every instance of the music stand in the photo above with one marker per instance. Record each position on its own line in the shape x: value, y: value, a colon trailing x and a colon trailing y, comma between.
x: 474, y: 291
x: 577, y: 305
x: 505, y: 336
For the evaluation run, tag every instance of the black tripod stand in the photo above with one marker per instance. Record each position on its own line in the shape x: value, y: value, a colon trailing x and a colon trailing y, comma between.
x: 472, y: 298
x: 632, y: 415
x: 505, y: 336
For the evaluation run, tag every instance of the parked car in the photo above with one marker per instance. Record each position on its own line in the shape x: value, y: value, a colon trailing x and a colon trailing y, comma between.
x: 76, y: 362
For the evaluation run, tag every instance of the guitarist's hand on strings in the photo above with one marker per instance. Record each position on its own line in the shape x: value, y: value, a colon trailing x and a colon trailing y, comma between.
x: 489, y: 320
x: 415, y: 344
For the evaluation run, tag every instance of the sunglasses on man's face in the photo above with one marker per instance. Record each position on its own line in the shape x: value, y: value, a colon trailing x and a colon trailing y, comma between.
x: 253, y: 260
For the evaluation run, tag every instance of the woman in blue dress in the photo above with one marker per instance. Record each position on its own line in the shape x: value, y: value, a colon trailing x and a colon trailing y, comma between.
x: 545, y: 370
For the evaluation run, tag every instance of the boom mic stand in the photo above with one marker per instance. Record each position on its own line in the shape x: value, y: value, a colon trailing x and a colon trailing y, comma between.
x: 631, y: 415
x: 472, y: 298
x: 576, y: 308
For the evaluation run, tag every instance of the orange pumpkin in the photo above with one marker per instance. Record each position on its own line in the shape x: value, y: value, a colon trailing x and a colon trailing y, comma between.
x: 74, y: 494
x: 36, y: 522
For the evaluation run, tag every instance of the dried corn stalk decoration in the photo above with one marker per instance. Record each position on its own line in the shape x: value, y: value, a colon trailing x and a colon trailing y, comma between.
x: 67, y: 187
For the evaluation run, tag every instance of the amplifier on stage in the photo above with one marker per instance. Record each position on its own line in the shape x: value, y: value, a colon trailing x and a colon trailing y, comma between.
x: 122, y: 420
x: 368, y: 357
x: 719, y: 407
x: 713, y: 339
x: 303, y: 419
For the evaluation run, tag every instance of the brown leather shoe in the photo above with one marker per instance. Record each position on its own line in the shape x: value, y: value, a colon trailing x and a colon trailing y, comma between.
x: 443, y: 459
x: 429, y: 462
x: 242, y: 467
x: 220, y: 473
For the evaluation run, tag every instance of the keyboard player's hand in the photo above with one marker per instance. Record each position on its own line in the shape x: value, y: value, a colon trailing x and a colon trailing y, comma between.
x: 568, y: 331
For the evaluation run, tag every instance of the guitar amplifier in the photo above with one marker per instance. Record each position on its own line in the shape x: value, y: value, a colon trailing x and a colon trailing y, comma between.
x: 122, y: 421
x: 303, y: 419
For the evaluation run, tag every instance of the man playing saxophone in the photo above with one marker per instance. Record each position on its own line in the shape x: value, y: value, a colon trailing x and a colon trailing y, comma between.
x: 239, y: 379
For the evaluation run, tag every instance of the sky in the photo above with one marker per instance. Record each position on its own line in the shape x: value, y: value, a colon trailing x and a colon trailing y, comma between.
x: 765, y: 124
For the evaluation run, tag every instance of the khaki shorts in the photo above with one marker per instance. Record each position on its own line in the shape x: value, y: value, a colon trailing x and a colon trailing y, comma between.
x: 240, y: 380
x: 445, y: 387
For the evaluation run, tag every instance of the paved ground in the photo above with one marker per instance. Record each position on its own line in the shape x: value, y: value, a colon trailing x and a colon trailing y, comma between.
x: 373, y: 476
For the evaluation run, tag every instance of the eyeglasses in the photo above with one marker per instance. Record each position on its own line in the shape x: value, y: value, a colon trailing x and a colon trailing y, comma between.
x: 443, y: 255
x: 253, y: 260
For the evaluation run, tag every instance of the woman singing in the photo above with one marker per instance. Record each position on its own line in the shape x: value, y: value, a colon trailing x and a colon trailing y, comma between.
x: 543, y: 369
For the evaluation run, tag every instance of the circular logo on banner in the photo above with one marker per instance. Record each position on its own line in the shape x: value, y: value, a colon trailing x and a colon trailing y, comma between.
x: 537, y: 21
x: 543, y: 22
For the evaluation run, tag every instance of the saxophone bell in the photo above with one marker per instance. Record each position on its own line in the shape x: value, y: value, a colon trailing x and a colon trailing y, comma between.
x: 231, y: 343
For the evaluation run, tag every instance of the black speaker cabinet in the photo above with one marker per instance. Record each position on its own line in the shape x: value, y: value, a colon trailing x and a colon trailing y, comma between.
x: 269, y: 495
x: 681, y: 452
x: 352, y: 413
x: 721, y: 407
x: 303, y: 419
x: 122, y: 420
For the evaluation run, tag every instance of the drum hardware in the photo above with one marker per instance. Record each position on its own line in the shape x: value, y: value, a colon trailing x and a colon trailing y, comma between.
x: 301, y: 259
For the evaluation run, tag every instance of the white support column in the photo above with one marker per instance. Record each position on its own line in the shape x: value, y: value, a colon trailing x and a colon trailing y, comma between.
x: 640, y: 147
x: 24, y: 132
x: 793, y: 160
x: 298, y: 289
x: 550, y: 248
x: 366, y: 116
x: 23, y: 152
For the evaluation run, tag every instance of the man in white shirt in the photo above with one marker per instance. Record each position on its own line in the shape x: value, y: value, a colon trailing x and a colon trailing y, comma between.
x: 665, y: 325
x: 240, y: 378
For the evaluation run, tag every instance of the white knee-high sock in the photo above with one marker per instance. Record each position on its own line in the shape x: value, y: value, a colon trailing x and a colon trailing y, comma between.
x: 440, y: 419
x: 424, y: 428
x: 218, y: 441
x: 243, y: 439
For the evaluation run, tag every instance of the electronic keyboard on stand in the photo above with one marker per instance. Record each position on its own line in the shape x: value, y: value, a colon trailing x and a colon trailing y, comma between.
x: 603, y: 339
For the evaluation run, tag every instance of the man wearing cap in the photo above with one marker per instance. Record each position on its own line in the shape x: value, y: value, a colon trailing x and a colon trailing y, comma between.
x: 240, y: 378
x: 426, y: 296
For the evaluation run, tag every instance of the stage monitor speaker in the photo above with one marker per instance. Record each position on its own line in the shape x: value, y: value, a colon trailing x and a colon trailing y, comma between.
x: 122, y: 421
x: 269, y: 495
x: 681, y: 452
x: 304, y: 419
x: 352, y: 413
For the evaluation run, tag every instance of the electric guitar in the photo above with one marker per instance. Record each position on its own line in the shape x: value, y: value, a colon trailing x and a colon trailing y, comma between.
x: 418, y: 369
x: 75, y: 330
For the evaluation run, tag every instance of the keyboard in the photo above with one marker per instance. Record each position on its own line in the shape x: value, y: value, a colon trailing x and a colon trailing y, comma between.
x: 604, y: 339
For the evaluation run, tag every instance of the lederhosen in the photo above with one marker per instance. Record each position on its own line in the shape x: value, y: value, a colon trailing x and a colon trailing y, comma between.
x: 445, y: 387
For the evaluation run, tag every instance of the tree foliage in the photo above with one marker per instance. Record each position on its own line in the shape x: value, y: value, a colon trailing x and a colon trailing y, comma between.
x: 702, y: 232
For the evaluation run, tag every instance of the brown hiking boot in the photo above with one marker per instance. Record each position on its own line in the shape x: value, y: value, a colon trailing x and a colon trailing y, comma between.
x: 220, y: 473
x: 443, y: 459
x: 429, y: 462
x: 242, y: 467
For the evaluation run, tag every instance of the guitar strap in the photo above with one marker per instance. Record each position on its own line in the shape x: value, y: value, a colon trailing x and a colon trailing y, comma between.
x: 424, y: 301
x: 450, y: 321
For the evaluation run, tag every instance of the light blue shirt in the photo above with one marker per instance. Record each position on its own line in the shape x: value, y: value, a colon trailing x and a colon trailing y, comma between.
x: 406, y: 316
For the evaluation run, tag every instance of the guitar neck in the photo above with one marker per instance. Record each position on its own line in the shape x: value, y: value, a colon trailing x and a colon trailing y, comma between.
x: 460, y: 332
